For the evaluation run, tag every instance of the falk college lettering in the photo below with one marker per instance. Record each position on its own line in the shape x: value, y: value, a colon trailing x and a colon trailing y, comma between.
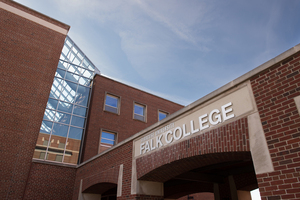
x: 213, y: 118
x: 216, y: 112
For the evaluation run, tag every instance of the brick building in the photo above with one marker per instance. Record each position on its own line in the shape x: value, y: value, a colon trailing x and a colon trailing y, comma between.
x: 67, y: 132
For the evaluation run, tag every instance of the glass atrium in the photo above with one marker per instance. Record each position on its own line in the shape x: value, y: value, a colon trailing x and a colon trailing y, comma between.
x: 64, y: 119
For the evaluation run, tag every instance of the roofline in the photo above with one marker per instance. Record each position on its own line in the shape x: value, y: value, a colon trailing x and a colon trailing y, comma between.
x: 104, y: 76
x: 34, y: 16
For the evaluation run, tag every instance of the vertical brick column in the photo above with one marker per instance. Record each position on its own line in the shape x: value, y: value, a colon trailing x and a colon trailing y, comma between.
x: 274, y: 91
x: 29, y: 53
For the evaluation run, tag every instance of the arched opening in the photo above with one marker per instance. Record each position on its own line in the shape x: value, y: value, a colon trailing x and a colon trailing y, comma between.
x: 105, y: 191
x: 228, y: 175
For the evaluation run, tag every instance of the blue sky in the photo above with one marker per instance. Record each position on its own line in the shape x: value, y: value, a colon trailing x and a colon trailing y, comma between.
x: 180, y: 50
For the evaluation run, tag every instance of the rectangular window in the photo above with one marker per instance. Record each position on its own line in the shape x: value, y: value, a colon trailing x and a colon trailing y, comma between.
x: 59, y: 158
x: 107, y: 140
x: 139, y: 112
x: 162, y: 115
x: 112, y: 103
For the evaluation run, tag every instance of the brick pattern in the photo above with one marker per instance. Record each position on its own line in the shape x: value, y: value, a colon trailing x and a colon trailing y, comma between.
x: 29, y: 55
x: 232, y: 138
x: 50, y: 182
x: 274, y: 92
x: 109, y: 162
x: 123, y: 124
x: 108, y: 176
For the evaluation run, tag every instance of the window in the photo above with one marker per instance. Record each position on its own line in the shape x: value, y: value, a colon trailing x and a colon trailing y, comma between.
x: 107, y: 140
x: 59, y: 158
x: 162, y: 115
x: 112, y: 103
x: 139, y: 112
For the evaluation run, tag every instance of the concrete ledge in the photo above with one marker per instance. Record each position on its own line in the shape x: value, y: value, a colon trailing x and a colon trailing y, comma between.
x: 53, y: 163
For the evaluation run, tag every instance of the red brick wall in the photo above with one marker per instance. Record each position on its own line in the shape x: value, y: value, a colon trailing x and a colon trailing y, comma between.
x: 107, y: 162
x: 29, y: 55
x: 123, y: 124
x: 50, y: 182
x: 231, y: 138
x: 274, y: 92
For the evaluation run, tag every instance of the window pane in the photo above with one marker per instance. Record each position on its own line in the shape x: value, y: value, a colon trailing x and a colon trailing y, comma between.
x: 107, y: 141
x: 78, y: 110
x: 72, y: 77
x: 73, y: 145
x: 68, y: 92
x: 56, y: 88
x: 63, y: 65
x: 139, y: 109
x: 60, y: 73
x: 111, y: 101
x: 139, y: 117
x: 75, y: 133
x: 60, y: 130
x: 162, y: 115
x: 77, y: 121
x: 46, y: 127
x: 65, y: 107
x: 49, y: 115
x: 52, y: 104
x: 87, y: 74
x: 62, y: 117
x: 82, y: 95
x: 59, y: 158
x: 84, y: 81
x: 110, y: 136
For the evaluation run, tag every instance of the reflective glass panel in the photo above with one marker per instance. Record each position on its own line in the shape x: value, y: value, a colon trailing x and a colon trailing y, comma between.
x: 68, y: 92
x: 78, y: 110
x: 84, y: 81
x: 72, y: 77
x: 107, y: 135
x: 60, y: 130
x: 49, y: 114
x: 75, y: 133
x: 46, y: 127
x: 73, y: 145
x: 52, y: 104
x: 62, y: 117
x: 65, y: 107
x: 108, y: 138
x: 60, y: 142
x: 65, y: 50
x: 63, y: 65
x: 75, y: 69
x: 87, y: 74
x: 161, y: 115
x: 82, y: 95
x: 56, y: 88
x: 111, y: 101
x: 77, y: 121
x: 60, y: 73
x: 139, y: 109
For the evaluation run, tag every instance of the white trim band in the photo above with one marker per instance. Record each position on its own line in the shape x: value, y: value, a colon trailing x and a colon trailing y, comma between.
x: 33, y: 18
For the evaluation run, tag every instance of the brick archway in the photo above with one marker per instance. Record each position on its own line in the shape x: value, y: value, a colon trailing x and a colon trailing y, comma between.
x: 106, y: 179
x: 225, y: 143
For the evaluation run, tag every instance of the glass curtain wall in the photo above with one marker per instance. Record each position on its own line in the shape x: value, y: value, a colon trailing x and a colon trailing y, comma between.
x: 65, y: 115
